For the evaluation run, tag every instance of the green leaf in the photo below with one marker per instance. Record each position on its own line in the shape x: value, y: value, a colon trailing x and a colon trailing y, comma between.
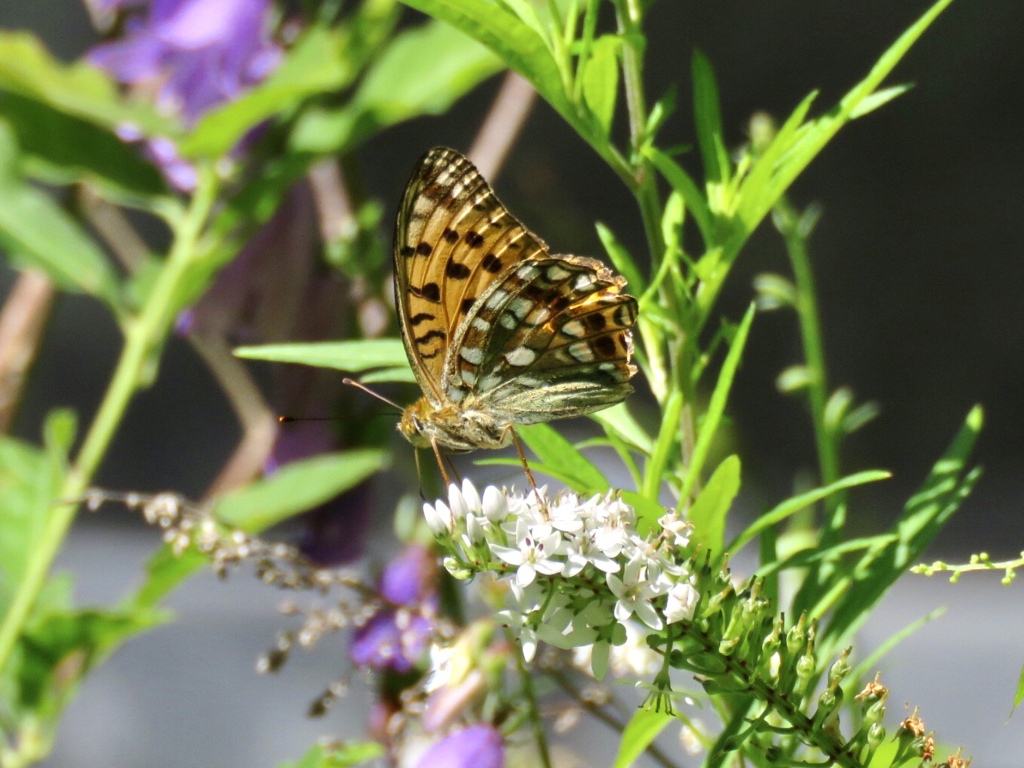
x: 55, y: 652
x: 318, y: 63
x: 711, y: 508
x: 1019, y: 696
x: 619, y: 421
x: 61, y: 149
x: 560, y: 459
x: 357, y: 355
x: 403, y: 375
x: 343, y: 755
x: 794, y: 149
x: 641, y: 730
x: 36, y: 231
x: 58, y: 649
x: 520, y: 45
x: 621, y: 259
x: 298, y: 486
x: 878, y: 99
x: 716, y: 406
x: 924, y: 515
x: 295, y: 488
x: 801, y: 501
x: 26, y: 68
x: 30, y: 480
x: 397, y: 87
x: 648, y: 512
x: 601, y: 80
x: 708, y: 116
x: 696, y: 202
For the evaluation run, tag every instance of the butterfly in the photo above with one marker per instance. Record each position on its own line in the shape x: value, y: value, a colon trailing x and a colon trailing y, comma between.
x: 498, y: 330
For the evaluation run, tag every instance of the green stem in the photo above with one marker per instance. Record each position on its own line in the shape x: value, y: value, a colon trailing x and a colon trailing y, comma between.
x: 667, y: 359
x: 806, y: 305
x: 526, y: 680
x: 143, y: 335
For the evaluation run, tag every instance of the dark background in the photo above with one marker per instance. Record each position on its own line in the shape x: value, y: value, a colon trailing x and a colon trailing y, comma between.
x: 919, y: 268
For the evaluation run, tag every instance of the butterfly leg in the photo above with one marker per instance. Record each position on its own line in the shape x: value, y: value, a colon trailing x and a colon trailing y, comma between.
x: 440, y: 463
x: 522, y: 458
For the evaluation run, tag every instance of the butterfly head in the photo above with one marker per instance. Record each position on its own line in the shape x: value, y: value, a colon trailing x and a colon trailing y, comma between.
x: 415, y: 421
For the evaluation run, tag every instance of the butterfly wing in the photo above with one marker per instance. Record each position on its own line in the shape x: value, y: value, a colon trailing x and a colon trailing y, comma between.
x: 550, y: 338
x: 453, y: 239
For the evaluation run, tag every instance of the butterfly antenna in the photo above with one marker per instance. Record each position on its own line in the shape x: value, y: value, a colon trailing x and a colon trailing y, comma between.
x: 367, y: 390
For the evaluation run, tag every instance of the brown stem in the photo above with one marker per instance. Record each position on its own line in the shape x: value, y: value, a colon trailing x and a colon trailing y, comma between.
x: 115, y: 229
x: 259, y: 425
x: 502, y: 124
x: 22, y: 320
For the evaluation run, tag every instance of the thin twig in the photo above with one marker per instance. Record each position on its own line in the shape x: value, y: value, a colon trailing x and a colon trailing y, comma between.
x: 22, y: 320
x: 259, y: 425
x: 333, y: 204
x: 113, y: 226
x: 501, y: 126
x: 526, y: 681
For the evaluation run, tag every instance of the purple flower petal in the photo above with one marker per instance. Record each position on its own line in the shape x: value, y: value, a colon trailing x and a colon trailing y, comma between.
x: 478, y: 746
x: 134, y: 59
x: 390, y: 640
x: 410, y: 577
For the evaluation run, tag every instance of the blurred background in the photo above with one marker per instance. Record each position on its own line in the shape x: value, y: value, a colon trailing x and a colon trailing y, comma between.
x: 920, y: 271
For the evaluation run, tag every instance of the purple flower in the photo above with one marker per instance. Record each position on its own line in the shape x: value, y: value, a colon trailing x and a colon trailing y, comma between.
x: 478, y: 746
x: 397, y: 635
x: 194, y: 55
x: 197, y: 53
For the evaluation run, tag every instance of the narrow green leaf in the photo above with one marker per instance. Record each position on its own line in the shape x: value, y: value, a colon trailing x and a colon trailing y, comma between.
x: 560, y: 458
x: 1019, y: 696
x: 878, y: 99
x: 716, y: 406
x: 641, y: 730
x: 708, y: 116
x: 397, y: 87
x: 811, y: 138
x: 621, y: 259
x: 681, y: 182
x: 298, y: 486
x: 620, y: 421
x: 793, y: 505
x: 601, y: 80
x: 869, y: 665
x: 924, y: 515
x: 756, y: 183
x: 36, y: 231
x: 357, y: 355
x: 668, y: 438
x: 402, y: 375
x: 28, y: 69
x: 711, y: 508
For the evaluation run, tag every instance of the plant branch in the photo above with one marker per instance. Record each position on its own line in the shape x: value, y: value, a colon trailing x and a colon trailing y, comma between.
x: 144, y: 335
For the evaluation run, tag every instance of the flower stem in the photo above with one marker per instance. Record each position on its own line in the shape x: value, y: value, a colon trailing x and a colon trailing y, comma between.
x: 526, y: 680
x: 789, y: 223
x: 144, y: 334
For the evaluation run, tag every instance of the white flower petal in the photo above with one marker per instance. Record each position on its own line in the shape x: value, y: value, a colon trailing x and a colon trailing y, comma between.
x: 495, y: 504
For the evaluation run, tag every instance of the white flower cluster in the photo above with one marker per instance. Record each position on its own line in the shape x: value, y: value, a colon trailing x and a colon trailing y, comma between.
x: 578, y: 568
